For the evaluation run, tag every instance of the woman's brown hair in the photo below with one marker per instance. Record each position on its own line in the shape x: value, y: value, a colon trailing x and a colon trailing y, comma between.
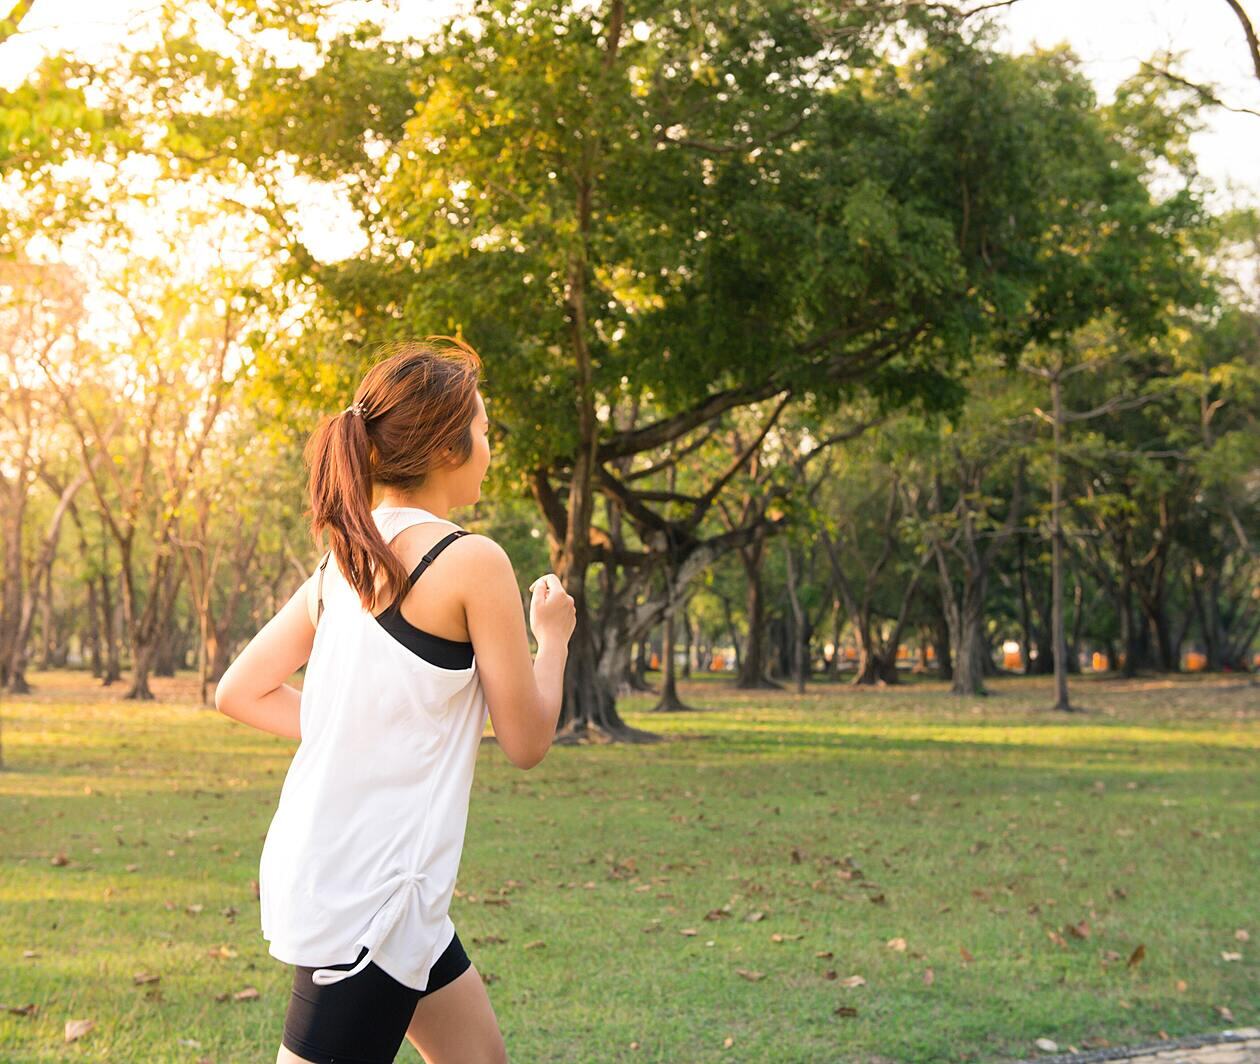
x: 416, y: 400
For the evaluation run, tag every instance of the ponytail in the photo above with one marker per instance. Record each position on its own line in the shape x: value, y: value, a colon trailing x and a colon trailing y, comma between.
x: 410, y: 408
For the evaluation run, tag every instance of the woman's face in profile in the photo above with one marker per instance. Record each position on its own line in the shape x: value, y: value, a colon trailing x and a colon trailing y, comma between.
x: 473, y: 472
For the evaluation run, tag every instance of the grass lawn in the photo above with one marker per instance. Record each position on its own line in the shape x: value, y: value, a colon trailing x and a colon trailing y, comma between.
x: 994, y: 874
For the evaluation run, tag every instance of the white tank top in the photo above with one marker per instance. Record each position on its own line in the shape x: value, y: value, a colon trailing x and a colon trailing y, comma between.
x: 365, y: 844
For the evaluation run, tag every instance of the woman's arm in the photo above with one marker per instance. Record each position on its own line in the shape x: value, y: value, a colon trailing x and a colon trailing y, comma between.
x: 253, y: 689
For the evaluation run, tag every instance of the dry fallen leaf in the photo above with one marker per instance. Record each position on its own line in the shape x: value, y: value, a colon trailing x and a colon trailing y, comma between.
x: 140, y: 978
x: 728, y: 1042
x: 536, y: 944
x: 248, y: 994
x: 751, y: 976
x: 898, y: 944
x: 846, y: 1010
x: 1056, y: 938
x: 824, y: 953
x: 1242, y: 935
x: 221, y: 952
x: 965, y: 953
x: 78, y: 1028
x: 1182, y: 986
x: 59, y: 859
x: 687, y: 931
x: 853, y: 980
x: 929, y: 977
x: 1226, y: 955
x: 1136, y: 956
x: 1046, y: 1045
x: 780, y: 936
x: 752, y: 918
x: 1080, y: 930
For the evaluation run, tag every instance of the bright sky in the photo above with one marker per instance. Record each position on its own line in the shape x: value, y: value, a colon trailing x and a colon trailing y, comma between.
x: 1110, y: 36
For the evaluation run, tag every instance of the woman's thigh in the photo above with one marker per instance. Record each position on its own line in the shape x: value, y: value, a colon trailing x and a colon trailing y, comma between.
x: 456, y: 1024
x: 363, y: 1018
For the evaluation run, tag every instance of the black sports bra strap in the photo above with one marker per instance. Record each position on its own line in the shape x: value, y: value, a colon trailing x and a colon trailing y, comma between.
x: 434, y: 551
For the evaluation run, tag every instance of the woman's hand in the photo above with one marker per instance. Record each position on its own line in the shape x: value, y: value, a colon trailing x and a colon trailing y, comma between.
x: 552, y: 612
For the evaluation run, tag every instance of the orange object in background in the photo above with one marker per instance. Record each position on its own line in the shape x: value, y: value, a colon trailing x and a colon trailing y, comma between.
x: 1098, y: 662
x: 1012, y: 660
x: 719, y: 662
x: 1195, y: 662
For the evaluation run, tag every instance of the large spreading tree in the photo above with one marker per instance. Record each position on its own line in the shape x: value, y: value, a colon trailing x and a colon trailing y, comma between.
x: 649, y: 218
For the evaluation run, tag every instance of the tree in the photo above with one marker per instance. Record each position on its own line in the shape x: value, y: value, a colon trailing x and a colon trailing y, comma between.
x: 668, y: 217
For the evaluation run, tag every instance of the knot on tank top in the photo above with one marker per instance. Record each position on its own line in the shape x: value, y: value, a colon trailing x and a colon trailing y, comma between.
x: 404, y: 887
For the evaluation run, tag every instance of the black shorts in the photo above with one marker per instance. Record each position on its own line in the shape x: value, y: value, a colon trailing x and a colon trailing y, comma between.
x: 363, y: 1019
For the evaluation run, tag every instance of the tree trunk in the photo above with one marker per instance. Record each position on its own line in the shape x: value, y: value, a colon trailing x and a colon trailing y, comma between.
x: 47, y: 639
x: 967, y: 634
x: 1025, y: 619
x: 113, y: 666
x: 92, y: 636
x: 687, y: 640
x: 1057, y: 621
x: 669, y: 701
x: 1129, y: 635
x: 1208, y: 616
x: 942, y: 648
x: 801, y: 633
x: 752, y: 669
x: 639, y: 676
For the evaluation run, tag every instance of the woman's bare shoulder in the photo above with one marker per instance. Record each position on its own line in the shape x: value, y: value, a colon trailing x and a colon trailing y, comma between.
x: 474, y: 554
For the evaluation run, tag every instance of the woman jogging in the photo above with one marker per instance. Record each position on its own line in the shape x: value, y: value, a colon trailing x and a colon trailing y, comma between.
x: 415, y: 634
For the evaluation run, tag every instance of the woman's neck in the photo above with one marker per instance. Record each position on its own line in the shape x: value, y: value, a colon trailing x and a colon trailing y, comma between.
x: 437, y: 507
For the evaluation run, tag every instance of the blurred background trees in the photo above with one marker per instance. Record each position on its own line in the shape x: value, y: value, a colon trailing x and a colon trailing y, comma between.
x: 819, y: 345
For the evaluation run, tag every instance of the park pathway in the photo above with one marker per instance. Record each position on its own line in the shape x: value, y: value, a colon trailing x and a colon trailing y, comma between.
x: 1241, y: 1046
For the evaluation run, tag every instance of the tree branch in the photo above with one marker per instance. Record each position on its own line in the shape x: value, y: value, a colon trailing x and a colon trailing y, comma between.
x: 1204, y: 93
x: 1249, y: 31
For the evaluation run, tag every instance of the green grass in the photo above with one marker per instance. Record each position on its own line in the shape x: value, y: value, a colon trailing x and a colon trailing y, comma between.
x: 982, y: 824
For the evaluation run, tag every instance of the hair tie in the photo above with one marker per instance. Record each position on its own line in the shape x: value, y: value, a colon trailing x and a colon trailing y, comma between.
x: 354, y: 408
